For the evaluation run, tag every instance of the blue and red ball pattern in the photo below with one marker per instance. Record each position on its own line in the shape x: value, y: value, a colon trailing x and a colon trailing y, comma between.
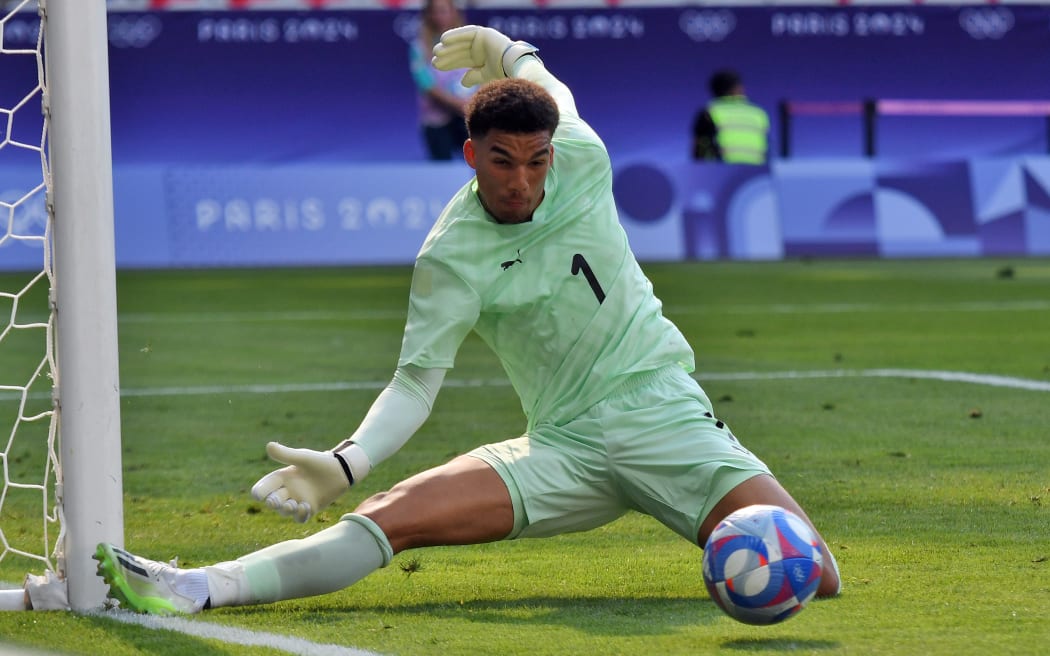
x: 762, y: 564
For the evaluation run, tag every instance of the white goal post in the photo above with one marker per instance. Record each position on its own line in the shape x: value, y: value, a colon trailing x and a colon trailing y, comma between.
x: 81, y: 483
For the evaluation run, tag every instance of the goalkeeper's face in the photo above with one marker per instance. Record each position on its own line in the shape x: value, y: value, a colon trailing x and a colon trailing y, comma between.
x: 511, y: 169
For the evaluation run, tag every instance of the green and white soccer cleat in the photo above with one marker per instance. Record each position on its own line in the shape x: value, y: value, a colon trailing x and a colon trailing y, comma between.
x: 147, y: 586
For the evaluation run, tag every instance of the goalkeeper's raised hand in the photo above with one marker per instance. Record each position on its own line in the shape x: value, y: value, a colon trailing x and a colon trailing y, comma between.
x: 488, y: 53
x: 311, y: 480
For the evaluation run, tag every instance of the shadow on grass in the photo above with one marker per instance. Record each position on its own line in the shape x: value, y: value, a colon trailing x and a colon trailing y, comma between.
x: 779, y: 644
x: 600, y: 616
x: 610, y: 616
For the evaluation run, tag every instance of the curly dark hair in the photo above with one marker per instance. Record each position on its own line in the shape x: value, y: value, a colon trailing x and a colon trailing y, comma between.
x: 511, y: 105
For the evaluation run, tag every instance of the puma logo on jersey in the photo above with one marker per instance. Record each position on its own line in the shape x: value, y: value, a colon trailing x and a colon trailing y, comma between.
x: 509, y: 263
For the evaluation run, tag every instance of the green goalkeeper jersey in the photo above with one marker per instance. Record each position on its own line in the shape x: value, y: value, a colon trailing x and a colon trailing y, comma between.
x: 560, y: 299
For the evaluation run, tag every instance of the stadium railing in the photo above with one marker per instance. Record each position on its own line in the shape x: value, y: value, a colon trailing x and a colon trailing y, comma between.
x: 871, y: 109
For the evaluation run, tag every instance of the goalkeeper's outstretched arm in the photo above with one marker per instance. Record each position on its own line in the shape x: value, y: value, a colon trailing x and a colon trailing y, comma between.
x: 490, y: 55
x: 313, y: 479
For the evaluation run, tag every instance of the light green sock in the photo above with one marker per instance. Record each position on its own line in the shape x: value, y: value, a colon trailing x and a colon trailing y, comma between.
x: 327, y: 561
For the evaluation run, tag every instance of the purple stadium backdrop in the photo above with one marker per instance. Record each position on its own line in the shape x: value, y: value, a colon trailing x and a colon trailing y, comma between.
x: 265, y: 138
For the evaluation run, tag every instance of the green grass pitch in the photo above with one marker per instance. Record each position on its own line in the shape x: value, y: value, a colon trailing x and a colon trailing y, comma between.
x: 934, y: 493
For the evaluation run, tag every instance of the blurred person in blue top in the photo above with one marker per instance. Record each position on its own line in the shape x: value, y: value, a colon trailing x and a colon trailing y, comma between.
x: 730, y: 129
x: 442, y: 99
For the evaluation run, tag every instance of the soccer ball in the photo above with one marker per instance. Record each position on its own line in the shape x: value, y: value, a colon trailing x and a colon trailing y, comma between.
x: 762, y: 564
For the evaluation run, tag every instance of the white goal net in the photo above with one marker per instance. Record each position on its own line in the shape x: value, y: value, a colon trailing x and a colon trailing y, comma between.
x: 60, y: 483
x: 30, y: 526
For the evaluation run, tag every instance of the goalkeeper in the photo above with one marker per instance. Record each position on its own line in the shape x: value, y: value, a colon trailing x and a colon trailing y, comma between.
x: 531, y: 256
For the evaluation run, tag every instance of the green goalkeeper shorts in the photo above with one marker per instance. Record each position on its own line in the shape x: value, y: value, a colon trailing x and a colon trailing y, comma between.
x: 653, y: 446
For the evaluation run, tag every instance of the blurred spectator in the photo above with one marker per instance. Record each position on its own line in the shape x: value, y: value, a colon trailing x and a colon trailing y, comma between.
x: 442, y: 98
x: 730, y: 128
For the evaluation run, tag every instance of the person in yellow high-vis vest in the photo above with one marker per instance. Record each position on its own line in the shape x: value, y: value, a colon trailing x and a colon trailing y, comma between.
x: 730, y: 128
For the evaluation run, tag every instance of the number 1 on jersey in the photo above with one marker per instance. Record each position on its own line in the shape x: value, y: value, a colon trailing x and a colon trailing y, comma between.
x: 580, y: 264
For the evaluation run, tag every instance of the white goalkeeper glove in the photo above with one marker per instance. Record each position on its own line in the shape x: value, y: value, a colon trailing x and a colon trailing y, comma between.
x: 486, y: 52
x: 312, y: 480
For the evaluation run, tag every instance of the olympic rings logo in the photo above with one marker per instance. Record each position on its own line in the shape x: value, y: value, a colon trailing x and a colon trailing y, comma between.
x: 986, y: 23
x: 133, y: 32
x: 407, y: 25
x: 708, y: 25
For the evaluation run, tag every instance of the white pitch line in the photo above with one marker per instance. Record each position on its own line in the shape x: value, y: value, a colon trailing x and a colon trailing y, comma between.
x: 233, y: 635
x: 763, y: 308
x: 990, y: 380
x: 1034, y: 305
x: 237, y: 317
x: 845, y: 308
x: 284, y: 388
